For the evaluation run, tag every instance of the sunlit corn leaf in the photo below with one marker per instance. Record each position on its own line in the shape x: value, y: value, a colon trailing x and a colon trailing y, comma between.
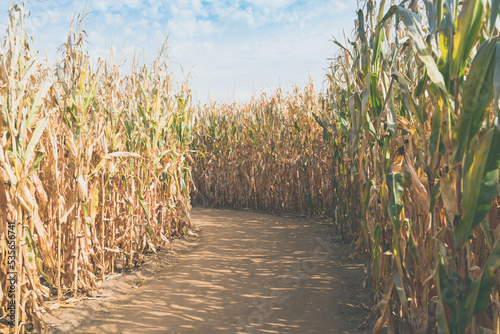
x: 469, y: 24
x: 476, y: 99
x: 480, y: 180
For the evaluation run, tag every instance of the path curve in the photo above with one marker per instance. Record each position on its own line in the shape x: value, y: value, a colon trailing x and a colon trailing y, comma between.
x: 250, y: 273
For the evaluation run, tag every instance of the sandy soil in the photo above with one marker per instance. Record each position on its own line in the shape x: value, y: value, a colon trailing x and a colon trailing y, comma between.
x: 247, y: 272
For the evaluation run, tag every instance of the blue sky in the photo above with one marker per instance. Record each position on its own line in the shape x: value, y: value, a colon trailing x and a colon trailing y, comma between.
x: 232, y: 49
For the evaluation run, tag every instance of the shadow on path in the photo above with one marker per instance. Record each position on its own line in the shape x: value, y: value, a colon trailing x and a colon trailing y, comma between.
x: 251, y: 273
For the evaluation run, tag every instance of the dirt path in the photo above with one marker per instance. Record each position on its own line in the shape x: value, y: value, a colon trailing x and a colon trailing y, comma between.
x: 249, y: 273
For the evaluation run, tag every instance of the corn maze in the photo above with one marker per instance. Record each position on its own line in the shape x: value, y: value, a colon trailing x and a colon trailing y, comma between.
x: 402, y: 153
x: 94, y: 171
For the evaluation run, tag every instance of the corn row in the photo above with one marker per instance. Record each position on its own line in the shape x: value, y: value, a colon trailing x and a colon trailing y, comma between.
x: 93, y: 172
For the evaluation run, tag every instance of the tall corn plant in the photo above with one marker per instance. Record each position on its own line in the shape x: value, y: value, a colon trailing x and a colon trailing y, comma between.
x: 22, y: 123
x: 87, y: 187
x: 421, y: 93
x: 275, y: 153
x: 410, y: 127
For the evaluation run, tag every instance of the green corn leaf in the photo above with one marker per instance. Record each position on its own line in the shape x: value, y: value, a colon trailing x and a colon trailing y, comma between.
x: 375, y: 99
x: 414, y: 28
x: 496, y: 78
x: 144, y: 204
x: 38, y: 157
x: 435, y: 193
x: 395, y: 185
x: 431, y: 16
x: 480, y: 179
x: 478, y: 298
x: 362, y: 36
x: 361, y: 105
x: 494, y: 12
x: 85, y: 210
x: 377, y: 47
x: 421, y: 84
x: 487, y: 279
x: 468, y: 26
x: 31, y: 243
x: 413, y: 248
x: 368, y: 125
x: 439, y: 12
x: 400, y: 289
x: 142, y: 112
x: 74, y: 120
x: 476, y: 99
x: 444, y: 295
x: 90, y: 96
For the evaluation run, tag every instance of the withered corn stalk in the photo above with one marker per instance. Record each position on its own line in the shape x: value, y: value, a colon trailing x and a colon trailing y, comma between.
x: 271, y: 154
x: 93, y: 171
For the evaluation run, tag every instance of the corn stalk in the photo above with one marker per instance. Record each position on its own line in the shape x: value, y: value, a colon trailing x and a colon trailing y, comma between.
x: 88, y: 187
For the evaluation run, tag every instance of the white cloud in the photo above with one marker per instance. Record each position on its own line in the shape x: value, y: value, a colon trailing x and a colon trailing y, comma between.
x: 113, y: 19
x: 233, y: 46
x: 275, y: 4
x: 101, y: 5
x: 107, y: 5
x: 134, y: 4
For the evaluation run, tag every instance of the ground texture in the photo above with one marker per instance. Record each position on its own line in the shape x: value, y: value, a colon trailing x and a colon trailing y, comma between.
x: 247, y: 272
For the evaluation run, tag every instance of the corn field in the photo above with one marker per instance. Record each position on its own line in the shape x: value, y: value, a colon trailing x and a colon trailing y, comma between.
x: 402, y: 152
x: 93, y: 172
x: 270, y: 154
